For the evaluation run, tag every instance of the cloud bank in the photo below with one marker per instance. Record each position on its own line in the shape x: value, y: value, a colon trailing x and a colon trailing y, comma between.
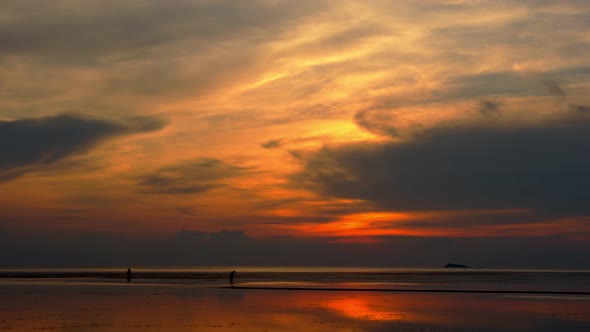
x: 543, y: 166
x: 30, y: 144
x: 236, y: 248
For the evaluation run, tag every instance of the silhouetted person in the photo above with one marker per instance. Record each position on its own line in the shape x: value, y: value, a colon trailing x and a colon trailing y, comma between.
x: 231, y: 277
x: 129, y: 275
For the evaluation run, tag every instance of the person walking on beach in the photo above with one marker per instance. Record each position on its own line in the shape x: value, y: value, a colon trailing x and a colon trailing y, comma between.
x: 128, y: 274
x: 231, y: 277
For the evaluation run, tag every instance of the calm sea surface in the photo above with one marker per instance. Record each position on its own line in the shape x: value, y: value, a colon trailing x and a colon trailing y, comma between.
x: 294, y: 299
x: 476, y: 279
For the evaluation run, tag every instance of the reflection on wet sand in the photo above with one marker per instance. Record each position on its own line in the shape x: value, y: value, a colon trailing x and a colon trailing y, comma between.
x: 185, y: 308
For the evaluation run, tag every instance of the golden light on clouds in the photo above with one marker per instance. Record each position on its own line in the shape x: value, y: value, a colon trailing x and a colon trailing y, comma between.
x: 271, y: 114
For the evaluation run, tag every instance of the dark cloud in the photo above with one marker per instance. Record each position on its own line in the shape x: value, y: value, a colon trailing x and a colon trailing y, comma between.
x: 31, y: 144
x: 236, y: 248
x: 377, y: 121
x: 296, y: 154
x: 488, y: 84
x: 489, y: 108
x: 580, y: 109
x: 272, y: 144
x: 509, y: 84
x: 553, y: 87
x: 190, y: 177
x: 545, y: 167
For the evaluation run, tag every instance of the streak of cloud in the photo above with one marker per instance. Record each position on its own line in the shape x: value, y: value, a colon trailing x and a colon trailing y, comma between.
x: 489, y: 108
x: 190, y: 177
x: 30, y: 144
x: 272, y: 144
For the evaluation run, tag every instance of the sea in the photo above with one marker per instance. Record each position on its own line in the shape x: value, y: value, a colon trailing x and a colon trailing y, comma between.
x: 293, y: 299
x: 340, y: 278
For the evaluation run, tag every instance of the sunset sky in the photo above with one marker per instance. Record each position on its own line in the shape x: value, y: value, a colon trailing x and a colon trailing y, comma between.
x: 360, y: 132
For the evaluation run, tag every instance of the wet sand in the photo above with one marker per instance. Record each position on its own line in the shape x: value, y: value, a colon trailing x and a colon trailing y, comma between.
x: 58, y: 305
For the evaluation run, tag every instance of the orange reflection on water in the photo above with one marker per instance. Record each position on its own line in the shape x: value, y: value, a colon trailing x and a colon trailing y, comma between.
x: 114, y: 307
x: 361, y: 308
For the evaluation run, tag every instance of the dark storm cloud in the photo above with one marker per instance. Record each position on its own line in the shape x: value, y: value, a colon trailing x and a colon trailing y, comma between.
x: 190, y: 177
x: 545, y: 167
x: 489, y: 108
x: 30, y: 144
x: 272, y: 144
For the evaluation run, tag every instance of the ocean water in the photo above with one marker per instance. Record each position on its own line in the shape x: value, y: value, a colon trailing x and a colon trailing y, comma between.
x: 386, y: 279
x: 294, y: 299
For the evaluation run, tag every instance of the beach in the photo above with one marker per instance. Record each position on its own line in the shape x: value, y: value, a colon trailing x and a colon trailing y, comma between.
x: 148, y: 304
